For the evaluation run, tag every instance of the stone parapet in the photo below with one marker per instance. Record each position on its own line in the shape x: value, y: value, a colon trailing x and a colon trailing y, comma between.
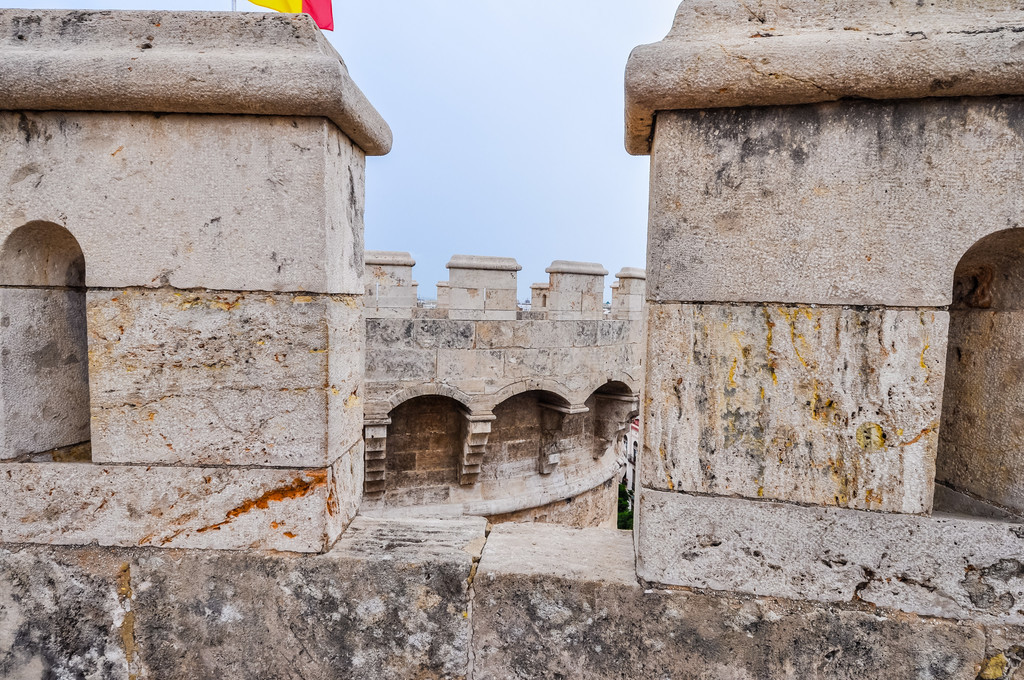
x: 399, y: 599
x: 576, y: 290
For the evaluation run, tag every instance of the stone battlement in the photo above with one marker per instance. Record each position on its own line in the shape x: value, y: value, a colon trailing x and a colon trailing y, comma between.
x: 562, y: 381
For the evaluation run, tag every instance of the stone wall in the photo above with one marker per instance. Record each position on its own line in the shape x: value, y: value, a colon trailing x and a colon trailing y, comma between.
x: 447, y: 599
x: 507, y: 414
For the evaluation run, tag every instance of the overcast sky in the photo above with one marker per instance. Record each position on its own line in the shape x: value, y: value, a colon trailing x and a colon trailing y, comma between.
x: 507, y: 119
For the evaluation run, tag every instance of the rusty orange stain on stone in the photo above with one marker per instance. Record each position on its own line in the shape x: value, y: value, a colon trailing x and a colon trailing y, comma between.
x: 297, y: 489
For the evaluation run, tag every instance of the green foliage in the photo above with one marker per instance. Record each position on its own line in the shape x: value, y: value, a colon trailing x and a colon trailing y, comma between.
x: 625, y: 507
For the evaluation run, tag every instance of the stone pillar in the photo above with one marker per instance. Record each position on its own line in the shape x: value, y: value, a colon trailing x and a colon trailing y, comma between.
x: 628, y: 294
x: 483, y: 287
x: 218, y: 277
x: 444, y: 295
x: 390, y: 290
x: 539, y: 297
x: 801, y: 260
x: 576, y: 290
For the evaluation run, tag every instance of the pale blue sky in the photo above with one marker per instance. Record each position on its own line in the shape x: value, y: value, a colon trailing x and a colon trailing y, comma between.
x: 507, y: 119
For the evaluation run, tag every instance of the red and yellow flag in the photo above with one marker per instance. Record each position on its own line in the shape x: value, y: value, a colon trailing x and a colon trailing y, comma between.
x: 320, y: 10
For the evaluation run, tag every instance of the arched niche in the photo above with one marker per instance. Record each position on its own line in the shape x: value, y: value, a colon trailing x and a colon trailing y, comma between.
x: 44, y: 361
x: 534, y: 432
x: 980, y: 459
x: 424, y: 444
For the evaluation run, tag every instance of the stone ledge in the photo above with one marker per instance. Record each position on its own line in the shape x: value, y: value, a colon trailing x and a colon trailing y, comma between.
x: 553, y: 602
x: 935, y: 56
x: 944, y: 566
x: 182, y: 62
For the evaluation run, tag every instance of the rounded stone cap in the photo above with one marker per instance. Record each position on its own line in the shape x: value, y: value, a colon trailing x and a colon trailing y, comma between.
x: 503, y: 264
x: 631, y: 273
x: 569, y: 267
x: 727, y: 53
x: 181, y: 62
x: 534, y: 286
x: 395, y: 258
x: 443, y: 284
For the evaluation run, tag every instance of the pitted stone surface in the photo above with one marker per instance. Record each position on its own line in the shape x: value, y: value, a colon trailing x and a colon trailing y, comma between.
x: 199, y: 378
x: 389, y: 601
x: 280, y: 206
x: 831, y: 406
x: 555, y: 602
x: 228, y: 508
x: 854, y: 203
x: 952, y: 567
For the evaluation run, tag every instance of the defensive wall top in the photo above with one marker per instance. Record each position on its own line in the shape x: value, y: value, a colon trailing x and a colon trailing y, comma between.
x: 182, y: 62
x: 727, y: 53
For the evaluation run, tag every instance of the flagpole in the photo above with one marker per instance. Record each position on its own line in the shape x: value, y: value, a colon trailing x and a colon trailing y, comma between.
x: 234, y: 5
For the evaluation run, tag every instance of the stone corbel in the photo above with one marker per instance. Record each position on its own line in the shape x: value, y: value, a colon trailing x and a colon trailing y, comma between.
x: 552, y: 417
x: 612, y: 416
x: 476, y: 430
x: 375, y: 439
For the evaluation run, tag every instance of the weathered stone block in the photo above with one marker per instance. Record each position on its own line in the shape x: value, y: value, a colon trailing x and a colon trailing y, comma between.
x: 66, y: 613
x: 95, y: 173
x: 177, y: 507
x: 200, y: 378
x: 831, y: 406
x: 556, y: 602
x: 866, y: 203
x: 944, y: 566
x: 389, y: 601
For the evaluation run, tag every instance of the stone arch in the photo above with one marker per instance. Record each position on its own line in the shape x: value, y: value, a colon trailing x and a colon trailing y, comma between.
x: 44, y: 373
x: 427, y: 390
x: 612, y: 406
x: 560, y: 394
x: 980, y: 458
x: 532, y: 430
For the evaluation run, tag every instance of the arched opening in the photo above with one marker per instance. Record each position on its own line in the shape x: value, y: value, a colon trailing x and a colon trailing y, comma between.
x: 980, y: 461
x: 424, y: 443
x: 44, y: 359
x: 532, y: 431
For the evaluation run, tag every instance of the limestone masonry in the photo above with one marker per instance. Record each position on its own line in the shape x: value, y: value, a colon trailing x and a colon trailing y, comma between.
x: 235, y: 444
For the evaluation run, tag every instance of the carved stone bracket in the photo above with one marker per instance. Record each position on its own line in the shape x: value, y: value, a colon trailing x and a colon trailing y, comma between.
x: 552, y: 417
x: 612, y: 416
x: 375, y: 437
x: 476, y: 430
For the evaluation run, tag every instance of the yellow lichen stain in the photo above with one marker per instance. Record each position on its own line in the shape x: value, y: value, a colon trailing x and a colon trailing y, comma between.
x: 762, y: 393
x: 769, y: 324
x: 994, y: 667
x: 335, y: 391
x: 127, y: 627
x: 871, y: 497
x: 821, y: 191
x: 352, y: 401
x: 302, y: 299
x: 732, y: 373
x: 760, y: 492
x: 790, y: 317
x: 870, y: 437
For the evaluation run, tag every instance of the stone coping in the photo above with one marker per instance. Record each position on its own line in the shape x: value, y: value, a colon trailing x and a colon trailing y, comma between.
x: 570, y: 267
x: 949, y: 566
x: 727, y: 54
x: 394, y: 258
x: 486, y: 262
x: 631, y: 273
x: 181, y: 62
